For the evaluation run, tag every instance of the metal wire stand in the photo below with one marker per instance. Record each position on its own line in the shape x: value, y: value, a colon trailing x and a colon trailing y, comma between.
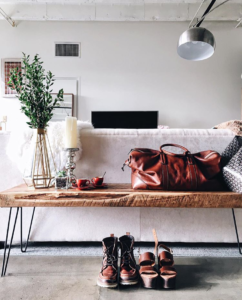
x: 6, y: 259
x: 236, y: 231
x: 7, y: 248
x: 23, y: 250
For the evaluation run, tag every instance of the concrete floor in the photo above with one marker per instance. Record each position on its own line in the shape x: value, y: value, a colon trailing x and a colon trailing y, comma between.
x: 74, y: 278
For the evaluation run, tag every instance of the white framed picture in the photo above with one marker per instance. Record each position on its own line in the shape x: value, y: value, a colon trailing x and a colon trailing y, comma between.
x: 70, y: 85
x: 7, y: 65
x: 65, y: 109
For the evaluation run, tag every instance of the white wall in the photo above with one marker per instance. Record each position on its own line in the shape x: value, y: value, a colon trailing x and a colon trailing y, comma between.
x: 134, y: 66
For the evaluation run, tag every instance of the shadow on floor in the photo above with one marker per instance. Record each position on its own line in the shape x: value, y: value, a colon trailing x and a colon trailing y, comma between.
x: 201, y: 274
x: 189, y: 277
x: 195, y: 277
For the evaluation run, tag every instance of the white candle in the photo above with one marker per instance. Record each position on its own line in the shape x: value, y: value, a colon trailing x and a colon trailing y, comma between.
x: 71, y: 132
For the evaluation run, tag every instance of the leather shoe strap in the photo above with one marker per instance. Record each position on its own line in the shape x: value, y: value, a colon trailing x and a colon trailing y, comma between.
x: 168, y: 271
x: 165, y: 259
x: 147, y: 270
x: 165, y: 247
x: 147, y: 258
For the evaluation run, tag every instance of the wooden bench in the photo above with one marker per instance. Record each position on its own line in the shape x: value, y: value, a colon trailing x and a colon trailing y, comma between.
x: 116, y: 195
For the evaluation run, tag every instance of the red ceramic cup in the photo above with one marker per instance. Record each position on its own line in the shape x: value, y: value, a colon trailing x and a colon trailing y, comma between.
x: 82, y: 182
x: 97, y: 180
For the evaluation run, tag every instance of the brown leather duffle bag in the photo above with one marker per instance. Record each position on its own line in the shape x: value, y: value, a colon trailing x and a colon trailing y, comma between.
x: 163, y: 170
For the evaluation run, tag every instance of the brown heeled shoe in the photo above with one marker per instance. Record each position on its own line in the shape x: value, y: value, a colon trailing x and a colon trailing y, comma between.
x: 165, y: 262
x: 148, y: 272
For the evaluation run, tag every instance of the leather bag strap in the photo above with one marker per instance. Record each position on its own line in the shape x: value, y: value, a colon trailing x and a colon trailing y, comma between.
x: 165, y: 176
x: 190, y: 162
x: 193, y: 173
x: 177, y: 146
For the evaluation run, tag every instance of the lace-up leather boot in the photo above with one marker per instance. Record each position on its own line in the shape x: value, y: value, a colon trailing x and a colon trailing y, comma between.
x: 108, y: 276
x: 128, y: 272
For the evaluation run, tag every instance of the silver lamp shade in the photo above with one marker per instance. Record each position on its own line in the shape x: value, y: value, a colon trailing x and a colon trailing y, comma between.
x: 196, y: 44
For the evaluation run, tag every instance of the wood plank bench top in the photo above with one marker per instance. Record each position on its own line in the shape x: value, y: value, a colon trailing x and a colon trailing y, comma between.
x: 117, y: 195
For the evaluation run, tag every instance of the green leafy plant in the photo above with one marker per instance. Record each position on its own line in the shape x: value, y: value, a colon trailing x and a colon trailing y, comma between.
x: 61, y: 174
x: 33, y: 87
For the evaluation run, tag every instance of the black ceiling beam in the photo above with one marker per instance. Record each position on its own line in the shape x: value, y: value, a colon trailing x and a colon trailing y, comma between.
x: 206, y: 11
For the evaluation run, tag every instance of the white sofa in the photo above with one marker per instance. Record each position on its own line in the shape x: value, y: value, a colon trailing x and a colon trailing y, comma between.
x: 106, y: 150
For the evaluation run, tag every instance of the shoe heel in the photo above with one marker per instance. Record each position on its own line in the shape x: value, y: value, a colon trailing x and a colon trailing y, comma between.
x: 168, y: 282
x: 149, y: 283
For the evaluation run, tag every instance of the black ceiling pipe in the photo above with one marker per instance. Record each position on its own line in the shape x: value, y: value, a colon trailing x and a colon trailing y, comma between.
x: 206, y: 11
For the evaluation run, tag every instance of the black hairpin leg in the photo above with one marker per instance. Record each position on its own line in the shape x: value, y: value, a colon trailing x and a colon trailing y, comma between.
x: 236, y: 231
x: 6, y: 259
x: 21, y: 230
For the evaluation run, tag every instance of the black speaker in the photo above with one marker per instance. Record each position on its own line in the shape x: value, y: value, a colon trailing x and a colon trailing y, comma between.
x: 125, y: 119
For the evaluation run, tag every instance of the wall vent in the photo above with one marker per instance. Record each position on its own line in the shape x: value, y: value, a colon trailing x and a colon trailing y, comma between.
x: 68, y: 49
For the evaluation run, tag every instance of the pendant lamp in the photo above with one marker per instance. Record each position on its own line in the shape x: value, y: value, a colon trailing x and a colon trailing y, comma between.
x: 196, y: 44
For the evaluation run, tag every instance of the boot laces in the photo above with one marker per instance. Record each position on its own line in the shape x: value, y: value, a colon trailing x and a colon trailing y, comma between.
x: 127, y: 256
x: 108, y: 258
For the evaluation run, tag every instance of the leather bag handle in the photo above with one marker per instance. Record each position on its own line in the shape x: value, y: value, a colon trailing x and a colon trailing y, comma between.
x: 186, y: 153
x: 177, y: 146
